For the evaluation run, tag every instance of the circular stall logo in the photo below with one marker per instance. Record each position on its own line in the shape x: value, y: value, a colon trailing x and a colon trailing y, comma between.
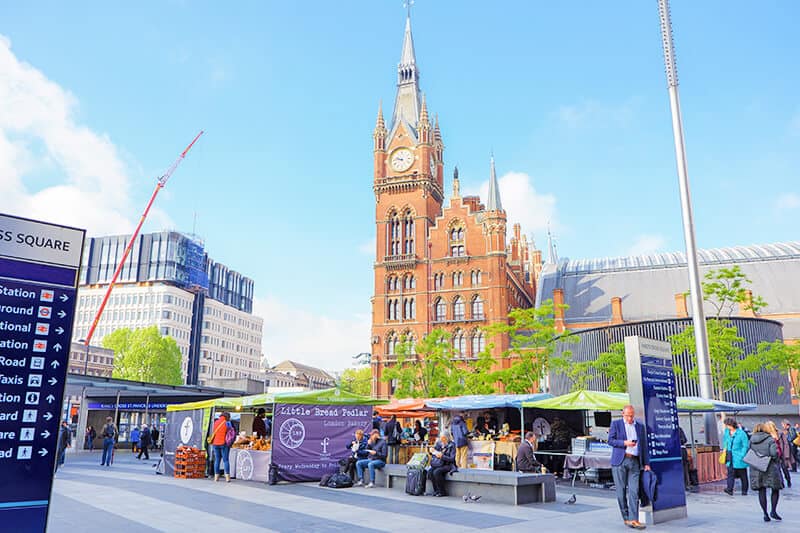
x: 292, y: 433
x: 244, y: 465
x: 187, y: 428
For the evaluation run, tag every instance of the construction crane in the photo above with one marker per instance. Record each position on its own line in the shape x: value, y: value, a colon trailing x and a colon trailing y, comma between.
x: 162, y: 181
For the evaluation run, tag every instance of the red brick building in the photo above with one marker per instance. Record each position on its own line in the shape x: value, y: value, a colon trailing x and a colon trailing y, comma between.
x: 439, y: 262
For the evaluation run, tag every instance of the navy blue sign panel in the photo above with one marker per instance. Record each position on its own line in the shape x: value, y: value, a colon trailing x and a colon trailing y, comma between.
x: 663, y: 437
x: 39, y: 265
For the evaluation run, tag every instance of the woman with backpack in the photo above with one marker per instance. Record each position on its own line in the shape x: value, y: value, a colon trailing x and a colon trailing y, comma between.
x: 222, y: 437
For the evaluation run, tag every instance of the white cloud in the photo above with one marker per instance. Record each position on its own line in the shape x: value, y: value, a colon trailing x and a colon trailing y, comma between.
x: 80, y: 178
x: 647, y: 244
x: 307, y: 337
x: 788, y: 200
x: 534, y: 211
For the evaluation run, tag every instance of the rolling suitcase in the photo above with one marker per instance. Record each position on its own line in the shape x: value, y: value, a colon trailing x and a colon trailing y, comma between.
x: 415, y: 481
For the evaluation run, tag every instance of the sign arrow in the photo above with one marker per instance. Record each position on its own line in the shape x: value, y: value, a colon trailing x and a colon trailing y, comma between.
x: 48, y: 416
x: 55, y: 364
x: 42, y: 452
x: 50, y: 398
x: 57, y: 347
x: 63, y: 297
x: 45, y: 434
x: 59, y: 330
x: 61, y: 314
x: 52, y: 381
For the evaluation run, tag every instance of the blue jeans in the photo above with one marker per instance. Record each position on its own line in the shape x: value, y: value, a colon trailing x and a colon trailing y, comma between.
x: 626, y: 479
x: 372, y: 465
x: 222, y: 452
x: 108, y: 450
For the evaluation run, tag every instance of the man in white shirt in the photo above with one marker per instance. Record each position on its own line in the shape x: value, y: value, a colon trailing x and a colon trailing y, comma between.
x: 628, y: 457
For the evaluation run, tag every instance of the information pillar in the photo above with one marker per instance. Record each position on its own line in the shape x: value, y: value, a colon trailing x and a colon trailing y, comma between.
x: 39, y: 264
x: 651, y: 384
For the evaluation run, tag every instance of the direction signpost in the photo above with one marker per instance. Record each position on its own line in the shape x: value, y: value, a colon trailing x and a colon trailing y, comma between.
x: 39, y: 265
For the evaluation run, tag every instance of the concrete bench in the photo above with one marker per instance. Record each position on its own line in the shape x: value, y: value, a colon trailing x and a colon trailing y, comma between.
x: 497, y: 486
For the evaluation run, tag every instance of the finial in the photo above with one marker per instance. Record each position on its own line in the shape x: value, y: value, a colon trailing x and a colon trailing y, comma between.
x: 407, y: 4
x: 456, y: 187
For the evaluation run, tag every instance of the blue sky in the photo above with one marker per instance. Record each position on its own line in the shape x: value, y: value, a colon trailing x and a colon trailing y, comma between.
x: 98, y: 99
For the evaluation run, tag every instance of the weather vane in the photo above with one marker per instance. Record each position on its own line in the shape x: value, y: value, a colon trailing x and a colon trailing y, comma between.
x: 407, y: 4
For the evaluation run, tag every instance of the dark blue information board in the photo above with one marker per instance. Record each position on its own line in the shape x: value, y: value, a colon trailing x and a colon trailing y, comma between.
x: 39, y: 265
x: 663, y: 437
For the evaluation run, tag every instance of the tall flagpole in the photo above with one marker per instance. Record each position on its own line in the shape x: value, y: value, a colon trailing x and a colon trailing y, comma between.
x: 695, y: 289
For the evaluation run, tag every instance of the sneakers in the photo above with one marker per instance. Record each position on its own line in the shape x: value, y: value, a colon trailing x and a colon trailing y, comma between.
x: 359, y: 483
x: 729, y: 492
x: 370, y: 485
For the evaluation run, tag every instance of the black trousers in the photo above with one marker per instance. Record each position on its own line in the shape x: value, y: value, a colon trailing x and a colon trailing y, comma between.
x: 741, y: 473
x: 437, y: 478
x: 143, y: 450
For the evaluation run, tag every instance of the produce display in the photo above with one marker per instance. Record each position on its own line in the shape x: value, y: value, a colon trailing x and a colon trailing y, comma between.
x: 252, y: 443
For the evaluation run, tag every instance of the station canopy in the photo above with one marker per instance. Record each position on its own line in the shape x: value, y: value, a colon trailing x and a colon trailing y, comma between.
x: 613, y: 401
x: 485, y: 401
x: 330, y: 396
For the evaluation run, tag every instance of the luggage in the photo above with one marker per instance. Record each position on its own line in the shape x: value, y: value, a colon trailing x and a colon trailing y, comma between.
x: 415, y: 481
x: 340, y: 481
x: 418, y: 460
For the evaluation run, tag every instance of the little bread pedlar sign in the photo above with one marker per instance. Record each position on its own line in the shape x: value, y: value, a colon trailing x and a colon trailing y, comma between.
x: 39, y: 265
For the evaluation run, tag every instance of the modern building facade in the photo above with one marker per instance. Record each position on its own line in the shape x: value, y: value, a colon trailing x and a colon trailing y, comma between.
x: 169, y: 281
x: 438, y: 263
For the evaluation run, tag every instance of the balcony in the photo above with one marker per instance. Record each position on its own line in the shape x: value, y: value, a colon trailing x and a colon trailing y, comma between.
x: 400, y: 261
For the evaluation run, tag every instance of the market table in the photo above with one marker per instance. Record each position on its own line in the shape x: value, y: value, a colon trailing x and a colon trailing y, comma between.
x: 250, y: 465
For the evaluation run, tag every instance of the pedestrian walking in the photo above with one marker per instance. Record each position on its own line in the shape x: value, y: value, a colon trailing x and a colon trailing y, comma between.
x: 144, y: 443
x: 735, y: 445
x: 628, y: 458
x: 154, y: 434
x: 220, y: 447
x: 764, y: 443
x: 109, y: 434
x: 784, y: 459
x: 90, y: 436
x: 64, y: 442
x: 394, y: 433
x: 791, y: 435
x: 135, y: 438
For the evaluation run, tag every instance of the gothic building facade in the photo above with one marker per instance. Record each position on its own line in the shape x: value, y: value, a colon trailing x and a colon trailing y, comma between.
x: 439, y: 263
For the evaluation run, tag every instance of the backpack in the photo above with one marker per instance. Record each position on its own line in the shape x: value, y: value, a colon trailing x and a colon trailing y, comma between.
x: 340, y: 481
x: 230, y: 435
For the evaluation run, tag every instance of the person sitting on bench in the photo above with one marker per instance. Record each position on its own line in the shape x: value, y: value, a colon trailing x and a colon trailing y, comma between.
x: 442, y: 462
x: 526, y: 460
x: 376, y: 450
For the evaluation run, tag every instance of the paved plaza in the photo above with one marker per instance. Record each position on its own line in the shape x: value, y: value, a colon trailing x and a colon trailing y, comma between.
x: 130, y: 497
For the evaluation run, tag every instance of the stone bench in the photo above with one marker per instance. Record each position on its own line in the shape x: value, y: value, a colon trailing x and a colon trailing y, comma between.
x: 497, y: 486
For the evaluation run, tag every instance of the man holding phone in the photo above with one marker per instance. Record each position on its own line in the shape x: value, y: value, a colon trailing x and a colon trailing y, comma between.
x: 628, y: 457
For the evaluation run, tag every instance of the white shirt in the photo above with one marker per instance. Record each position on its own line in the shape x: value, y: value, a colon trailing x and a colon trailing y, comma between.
x: 630, y: 434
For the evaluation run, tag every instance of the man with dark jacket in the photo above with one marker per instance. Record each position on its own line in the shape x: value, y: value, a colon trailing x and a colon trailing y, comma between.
x: 376, y: 450
x: 393, y: 433
x: 144, y: 443
x: 442, y: 463
x: 628, y: 457
x: 259, y: 427
x: 459, y: 430
x: 64, y: 441
x: 526, y: 460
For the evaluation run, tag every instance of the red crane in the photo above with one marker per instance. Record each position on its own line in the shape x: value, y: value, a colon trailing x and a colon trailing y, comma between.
x: 162, y: 181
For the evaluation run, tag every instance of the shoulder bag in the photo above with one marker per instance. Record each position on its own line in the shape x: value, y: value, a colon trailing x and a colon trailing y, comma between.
x: 210, y: 438
x: 756, y: 460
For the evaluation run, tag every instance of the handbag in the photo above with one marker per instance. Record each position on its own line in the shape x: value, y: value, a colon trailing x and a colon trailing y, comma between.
x: 723, y: 457
x: 756, y: 460
x: 210, y: 438
x: 796, y: 440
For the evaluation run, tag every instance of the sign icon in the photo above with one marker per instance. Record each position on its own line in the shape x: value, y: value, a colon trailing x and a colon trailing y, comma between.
x: 47, y: 295
x: 34, y: 380
x: 24, y: 452
x: 32, y: 398
x: 292, y: 433
x: 45, y: 311
x: 29, y: 415
x: 26, y: 434
x: 40, y: 346
x: 42, y: 328
x: 37, y: 363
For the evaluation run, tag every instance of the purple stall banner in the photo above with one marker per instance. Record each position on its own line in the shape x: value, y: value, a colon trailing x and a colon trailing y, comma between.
x: 309, y: 440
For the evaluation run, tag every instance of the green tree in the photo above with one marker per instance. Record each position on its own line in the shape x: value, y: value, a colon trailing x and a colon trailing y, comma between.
x: 731, y: 369
x: 533, y: 337
x: 357, y: 380
x: 144, y: 355
x: 784, y: 358
x: 610, y: 364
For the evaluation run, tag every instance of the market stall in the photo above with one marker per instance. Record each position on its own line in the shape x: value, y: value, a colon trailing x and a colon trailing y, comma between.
x: 409, y: 412
x: 500, y: 414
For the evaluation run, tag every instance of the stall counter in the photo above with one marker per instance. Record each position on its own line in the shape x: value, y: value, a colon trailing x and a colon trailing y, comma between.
x: 250, y: 465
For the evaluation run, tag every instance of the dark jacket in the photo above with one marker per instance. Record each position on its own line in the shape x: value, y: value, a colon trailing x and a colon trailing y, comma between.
x: 64, y: 438
x: 380, y: 450
x: 144, y: 438
x: 259, y: 427
x: 526, y: 460
x: 448, y: 458
x: 361, y: 451
x: 109, y: 431
x: 389, y: 431
x: 459, y: 430
x: 617, y: 437
x: 763, y: 444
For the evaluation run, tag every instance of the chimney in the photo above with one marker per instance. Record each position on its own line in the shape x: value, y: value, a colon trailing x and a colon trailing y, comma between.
x: 616, y: 310
x: 745, y: 306
x: 681, y: 310
x: 558, y: 311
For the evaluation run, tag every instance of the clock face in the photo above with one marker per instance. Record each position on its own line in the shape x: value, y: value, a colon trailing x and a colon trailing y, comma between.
x: 402, y: 159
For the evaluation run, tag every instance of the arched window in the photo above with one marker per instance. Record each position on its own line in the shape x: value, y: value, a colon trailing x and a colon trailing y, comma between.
x: 438, y: 281
x: 395, y: 234
x: 459, y: 343
x: 477, y: 308
x: 478, y: 343
x: 411, y: 340
x: 410, y: 282
x: 409, y: 233
x: 476, y: 277
x: 458, y: 308
x: 439, y: 310
x: 457, y: 248
x: 458, y: 279
x: 408, y: 309
x: 392, y: 309
x: 391, y: 283
x: 391, y: 343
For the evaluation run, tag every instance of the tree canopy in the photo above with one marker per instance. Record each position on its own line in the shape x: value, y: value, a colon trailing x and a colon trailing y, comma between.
x: 144, y: 355
x: 357, y: 380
